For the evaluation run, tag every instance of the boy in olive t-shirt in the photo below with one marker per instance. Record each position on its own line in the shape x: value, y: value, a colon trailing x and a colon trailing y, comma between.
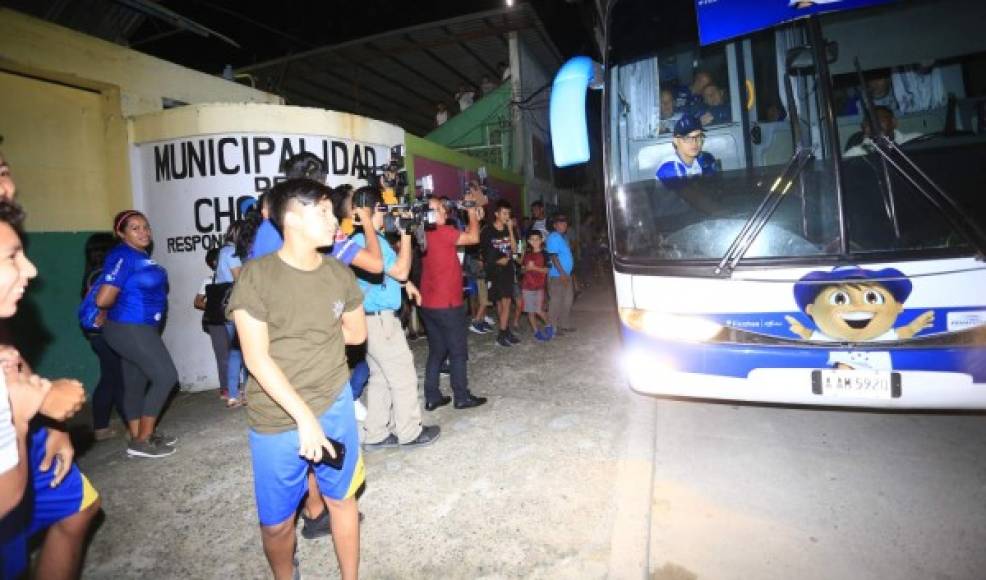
x: 295, y: 310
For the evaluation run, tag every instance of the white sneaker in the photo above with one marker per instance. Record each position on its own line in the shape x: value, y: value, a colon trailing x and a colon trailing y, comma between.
x: 490, y: 320
x: 360, y: 409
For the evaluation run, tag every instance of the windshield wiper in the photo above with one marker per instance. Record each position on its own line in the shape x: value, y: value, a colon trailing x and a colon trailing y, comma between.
x: 874, y: 127
x: 756, y: 223
x: 931, y: 191
x: 891, y: 153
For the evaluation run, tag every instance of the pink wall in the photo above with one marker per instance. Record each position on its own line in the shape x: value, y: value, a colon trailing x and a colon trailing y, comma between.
x: 451, y: 181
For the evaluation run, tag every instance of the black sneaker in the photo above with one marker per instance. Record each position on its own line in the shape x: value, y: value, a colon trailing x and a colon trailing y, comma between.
x: 428, y: 435
x: 162, y: 438
x: 319, y: 527
x: 512, y: 337
x: 387, y: 442
x: 150, y: 449
x: 502, y: 340
x: 316, y: 527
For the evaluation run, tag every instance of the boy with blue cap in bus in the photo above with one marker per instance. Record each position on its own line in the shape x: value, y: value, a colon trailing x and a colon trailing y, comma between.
x: 688, y: 161
x: 853, y: 304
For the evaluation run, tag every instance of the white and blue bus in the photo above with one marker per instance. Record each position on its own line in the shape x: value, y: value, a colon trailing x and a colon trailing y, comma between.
x: 814, y: 230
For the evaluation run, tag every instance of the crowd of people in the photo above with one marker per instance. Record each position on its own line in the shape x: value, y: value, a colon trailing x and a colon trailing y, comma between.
x: 310, y: 308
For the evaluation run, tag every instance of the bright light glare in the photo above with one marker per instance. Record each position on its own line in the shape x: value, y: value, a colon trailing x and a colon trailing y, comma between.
x: 667, y: 326
x: 642, y: 368
x: 510, y: 3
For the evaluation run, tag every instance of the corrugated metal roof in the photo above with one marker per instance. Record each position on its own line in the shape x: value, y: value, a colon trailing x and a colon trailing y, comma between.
x: 106, y: 20
x: 400, y: 76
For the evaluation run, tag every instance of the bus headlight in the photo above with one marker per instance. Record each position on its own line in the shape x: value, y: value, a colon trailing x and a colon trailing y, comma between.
x: 642, y: 368
x: 670, y: 326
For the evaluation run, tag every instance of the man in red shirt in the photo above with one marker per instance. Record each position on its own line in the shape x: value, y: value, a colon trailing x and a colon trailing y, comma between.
x: 442, y: 307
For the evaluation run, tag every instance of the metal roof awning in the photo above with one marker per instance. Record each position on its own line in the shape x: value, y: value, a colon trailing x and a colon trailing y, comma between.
x: 401, y: 76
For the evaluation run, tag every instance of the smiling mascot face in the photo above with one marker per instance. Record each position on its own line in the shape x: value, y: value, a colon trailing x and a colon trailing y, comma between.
x: 854, y: 311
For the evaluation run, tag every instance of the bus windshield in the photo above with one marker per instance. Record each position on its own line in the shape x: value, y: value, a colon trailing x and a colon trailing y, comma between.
x: 697, y: 136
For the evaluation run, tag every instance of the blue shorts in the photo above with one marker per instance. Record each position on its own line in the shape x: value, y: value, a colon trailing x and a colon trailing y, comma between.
x: 280, y: 475
x: 42, y: 506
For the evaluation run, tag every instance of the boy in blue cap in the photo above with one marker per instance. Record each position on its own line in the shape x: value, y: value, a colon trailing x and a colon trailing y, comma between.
x: 688, y: 160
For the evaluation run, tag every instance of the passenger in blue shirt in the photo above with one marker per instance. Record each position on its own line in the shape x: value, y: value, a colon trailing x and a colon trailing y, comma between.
x: 688, y: 99
x: 134, y: 292
x: 688, y: 160
x: 393, y: 415
x: 684, y: 175
x: 715, y: 109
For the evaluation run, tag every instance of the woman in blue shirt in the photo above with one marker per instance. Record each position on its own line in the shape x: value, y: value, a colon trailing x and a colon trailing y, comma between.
x: 135, y: 294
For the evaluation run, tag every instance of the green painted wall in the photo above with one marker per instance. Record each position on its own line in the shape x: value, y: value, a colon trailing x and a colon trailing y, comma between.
x: 46, y: 329
x: 418, y: 147
x: 471, y: 127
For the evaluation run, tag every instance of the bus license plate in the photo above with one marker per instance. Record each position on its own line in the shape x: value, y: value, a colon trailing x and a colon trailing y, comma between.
x: 856, y: 384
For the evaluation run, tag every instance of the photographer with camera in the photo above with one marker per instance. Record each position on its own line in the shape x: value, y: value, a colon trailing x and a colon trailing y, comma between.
x: 392, y: 392
x: 441, y: 302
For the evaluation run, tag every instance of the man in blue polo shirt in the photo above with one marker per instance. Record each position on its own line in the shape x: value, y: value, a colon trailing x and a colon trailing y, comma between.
x: 560, y: 289
x: 393, y: 412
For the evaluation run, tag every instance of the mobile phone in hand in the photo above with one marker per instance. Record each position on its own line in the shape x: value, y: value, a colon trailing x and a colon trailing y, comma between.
x: 340, y: 452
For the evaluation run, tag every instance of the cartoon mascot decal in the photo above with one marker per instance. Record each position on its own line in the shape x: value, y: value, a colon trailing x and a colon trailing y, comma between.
x: 853, y: 304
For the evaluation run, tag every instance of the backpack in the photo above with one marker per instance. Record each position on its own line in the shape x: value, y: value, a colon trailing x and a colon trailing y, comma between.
x: 216, y: 300
x: 88, y: 312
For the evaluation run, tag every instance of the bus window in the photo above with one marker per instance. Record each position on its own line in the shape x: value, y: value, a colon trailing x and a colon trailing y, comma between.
x: 776, y: 139
x: 668, y: 86
x: 918, y: 91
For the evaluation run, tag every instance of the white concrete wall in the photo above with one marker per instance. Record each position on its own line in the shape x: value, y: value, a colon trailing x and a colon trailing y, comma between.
x: 190, y: 204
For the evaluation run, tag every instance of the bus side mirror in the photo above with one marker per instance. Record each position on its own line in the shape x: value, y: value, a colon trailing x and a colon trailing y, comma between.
x: 567, y: 113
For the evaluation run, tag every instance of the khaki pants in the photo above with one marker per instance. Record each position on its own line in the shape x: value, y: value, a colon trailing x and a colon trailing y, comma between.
x: 392, y: 391
x: 560, y: 297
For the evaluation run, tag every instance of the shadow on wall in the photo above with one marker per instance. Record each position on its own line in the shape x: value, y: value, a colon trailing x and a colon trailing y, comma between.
x: 46, y: 328
x: 27, y: 328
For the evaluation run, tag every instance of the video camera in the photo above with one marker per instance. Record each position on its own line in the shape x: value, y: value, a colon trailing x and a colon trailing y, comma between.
x: 483, y: 180
x: 418, y: 216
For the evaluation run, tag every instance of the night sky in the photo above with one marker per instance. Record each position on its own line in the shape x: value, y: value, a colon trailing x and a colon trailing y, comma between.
x: 267, y: 30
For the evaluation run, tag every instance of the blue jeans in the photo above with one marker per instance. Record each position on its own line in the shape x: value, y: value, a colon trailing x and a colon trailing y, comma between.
x: 234, y: 363
x: 447, y: 338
